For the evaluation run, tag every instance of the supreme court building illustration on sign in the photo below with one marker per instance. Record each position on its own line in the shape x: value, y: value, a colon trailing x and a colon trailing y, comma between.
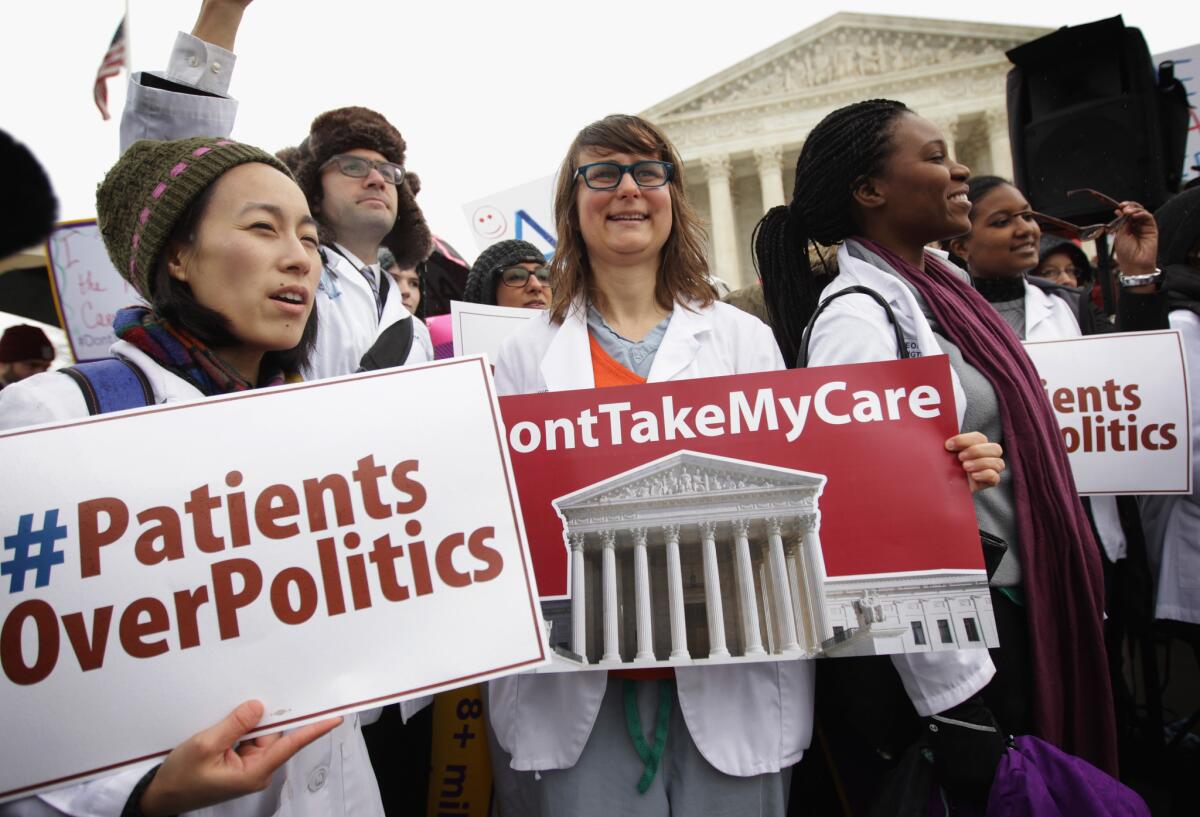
x: 695, y: 558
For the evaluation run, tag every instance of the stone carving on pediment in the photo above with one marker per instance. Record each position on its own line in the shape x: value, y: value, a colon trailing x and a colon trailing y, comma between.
x: 684, y: 480
x: 845, y: 55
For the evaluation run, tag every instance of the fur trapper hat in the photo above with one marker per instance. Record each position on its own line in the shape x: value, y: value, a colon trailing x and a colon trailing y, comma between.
x: 410, y: 240
x: 339, y: 131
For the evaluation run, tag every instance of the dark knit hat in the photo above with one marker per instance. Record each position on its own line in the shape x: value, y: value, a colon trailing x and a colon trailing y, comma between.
x: 148, y: 189
x: 339, y: 131
x: 33, y: 210
x: 25, y: 342
x: 481, y: 283
x: 1051, y: 244
x: 1178, y: 227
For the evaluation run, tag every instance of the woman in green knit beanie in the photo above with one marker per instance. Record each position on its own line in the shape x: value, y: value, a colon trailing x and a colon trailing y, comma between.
x: 218, y: 239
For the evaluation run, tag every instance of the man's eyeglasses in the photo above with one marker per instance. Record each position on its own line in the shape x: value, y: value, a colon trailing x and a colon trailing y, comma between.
x: 517, y: 277
x: 607, y: 175
x: 1090, y: 232
x: 358, y: 167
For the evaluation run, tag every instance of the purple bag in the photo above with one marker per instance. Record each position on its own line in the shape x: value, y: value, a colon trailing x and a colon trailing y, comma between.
x: 1036, y: 779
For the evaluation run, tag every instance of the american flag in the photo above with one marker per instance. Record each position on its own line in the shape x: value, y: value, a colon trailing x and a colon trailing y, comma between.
x: 110, y: 66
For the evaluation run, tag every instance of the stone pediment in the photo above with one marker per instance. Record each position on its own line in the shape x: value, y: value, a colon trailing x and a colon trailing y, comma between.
x: 844, y: 51
x: 688, y: 474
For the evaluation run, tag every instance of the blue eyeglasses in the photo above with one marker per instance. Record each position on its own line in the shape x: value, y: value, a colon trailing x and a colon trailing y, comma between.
x: 607, y: 175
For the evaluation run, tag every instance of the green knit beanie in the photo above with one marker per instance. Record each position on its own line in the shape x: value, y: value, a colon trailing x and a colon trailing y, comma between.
x: 149, y: 188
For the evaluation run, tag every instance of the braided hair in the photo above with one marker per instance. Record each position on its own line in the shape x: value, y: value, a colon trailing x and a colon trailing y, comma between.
x: 845, y: 147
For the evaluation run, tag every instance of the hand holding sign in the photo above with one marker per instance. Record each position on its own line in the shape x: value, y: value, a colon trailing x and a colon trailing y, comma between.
x: 211, y: 766
x: 982, y: 460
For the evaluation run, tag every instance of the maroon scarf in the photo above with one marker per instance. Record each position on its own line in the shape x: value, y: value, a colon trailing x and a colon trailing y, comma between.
x: 1060, y: 563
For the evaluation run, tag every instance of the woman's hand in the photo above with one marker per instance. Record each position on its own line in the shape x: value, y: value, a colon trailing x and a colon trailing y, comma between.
x: 211, y: 766
x: 1135, y: 243
x: 982, y: 460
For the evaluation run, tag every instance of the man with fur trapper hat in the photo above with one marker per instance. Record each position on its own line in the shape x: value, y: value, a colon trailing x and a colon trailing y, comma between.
x: 351, y: 168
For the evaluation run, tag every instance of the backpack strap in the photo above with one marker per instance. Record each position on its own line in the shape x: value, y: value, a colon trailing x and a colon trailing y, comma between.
x: 111, y: 384
x: 391, y: 348
x: 904, y: 344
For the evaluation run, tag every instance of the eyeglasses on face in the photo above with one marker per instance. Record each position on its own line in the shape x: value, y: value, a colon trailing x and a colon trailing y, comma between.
x: 1058, y: 276
x: 359, y: 167
x: 517, y: 277
x: 607, y: 175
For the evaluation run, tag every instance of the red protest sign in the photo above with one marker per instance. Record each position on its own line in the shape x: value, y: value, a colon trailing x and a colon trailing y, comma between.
x: 894, y: 500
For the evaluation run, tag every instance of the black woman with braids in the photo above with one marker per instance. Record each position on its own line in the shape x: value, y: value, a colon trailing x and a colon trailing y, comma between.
x: 879, y: 180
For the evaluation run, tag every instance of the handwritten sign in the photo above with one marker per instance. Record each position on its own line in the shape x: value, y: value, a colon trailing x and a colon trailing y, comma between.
x: 87, y: 289
x: 1187, y: 71
x: 524, y: 212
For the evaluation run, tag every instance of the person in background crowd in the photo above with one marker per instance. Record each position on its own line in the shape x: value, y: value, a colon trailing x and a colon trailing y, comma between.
x: 1062, y: 262
x: 510, y: 273
x: 406, y: 279
x: 879, y: 180
x: 1002, y: 251
x: 632, y: 303
x: 24, y: 351
x: 229, y: 261
x: 350, y: 166
x: 410, y: 243
x: 1172, y: 522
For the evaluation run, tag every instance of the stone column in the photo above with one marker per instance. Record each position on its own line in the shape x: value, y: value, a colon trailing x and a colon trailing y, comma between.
x: 612, y: 648
x: 784, y: 612
x: 998, y: 144
x: 769, y: 161
x: 724, y: 258
x: 712, y: 592
x: 745, y: 578
x: 814, y: 569
x: 578, y: 597
x: 766, y: 591
x: 792, y: 556
x: 948, y: 125
x: 641, y: 586
x: 675, y: 593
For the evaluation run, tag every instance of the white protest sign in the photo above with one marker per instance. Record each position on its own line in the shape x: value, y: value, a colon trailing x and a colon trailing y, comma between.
x: 296, y: 545
x: 87, y: 289
x: 479, y: 329
x: 1187, y: 71
x: 525, y: 212
x: 1122, y: 405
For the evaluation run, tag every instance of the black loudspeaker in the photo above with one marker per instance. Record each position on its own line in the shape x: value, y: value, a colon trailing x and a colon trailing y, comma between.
x: 1086, y: 108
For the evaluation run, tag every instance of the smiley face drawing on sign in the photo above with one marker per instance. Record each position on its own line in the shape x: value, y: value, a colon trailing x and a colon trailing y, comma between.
x: 489, y: 222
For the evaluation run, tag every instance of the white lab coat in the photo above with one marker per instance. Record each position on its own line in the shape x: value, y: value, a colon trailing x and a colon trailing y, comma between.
x: 349, y: 320
x: 745, y: 720
x: 1172, y: 523
x: 854, y: 329
x: 331, y: 776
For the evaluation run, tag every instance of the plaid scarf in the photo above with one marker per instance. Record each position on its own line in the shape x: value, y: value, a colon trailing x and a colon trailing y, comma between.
x: 1060, y: 562
x: 176, y: 350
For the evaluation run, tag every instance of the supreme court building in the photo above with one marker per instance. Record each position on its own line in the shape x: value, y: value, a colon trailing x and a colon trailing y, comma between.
x: 696, y: 558
x: 739, y: 132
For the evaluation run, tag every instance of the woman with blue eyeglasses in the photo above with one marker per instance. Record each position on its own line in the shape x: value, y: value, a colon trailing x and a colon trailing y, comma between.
x: 632, y: 303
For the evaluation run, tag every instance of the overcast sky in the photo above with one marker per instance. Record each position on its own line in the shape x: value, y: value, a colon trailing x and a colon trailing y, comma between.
x: 487, y: 95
